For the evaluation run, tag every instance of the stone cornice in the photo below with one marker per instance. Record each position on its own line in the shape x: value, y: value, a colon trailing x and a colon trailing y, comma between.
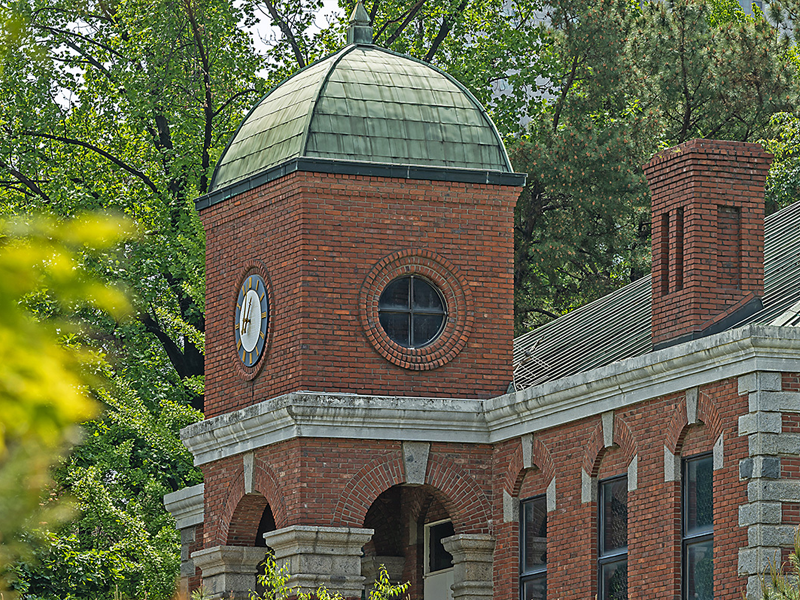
x: 316, y: 414
x: 320, y: 414
x: 186, y: 505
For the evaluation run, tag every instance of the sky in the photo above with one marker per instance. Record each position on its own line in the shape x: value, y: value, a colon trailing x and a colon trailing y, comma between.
x: 262, y: 31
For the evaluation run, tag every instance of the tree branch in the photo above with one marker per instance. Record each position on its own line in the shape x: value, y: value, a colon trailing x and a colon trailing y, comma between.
x: 147, y: 181
x: 443, y: 31
x: 409, y: 16
x: 208, y: 110
x: 26, y: 181
x: 287, y: 32
x: 564, y: 91
x: 232, y: 98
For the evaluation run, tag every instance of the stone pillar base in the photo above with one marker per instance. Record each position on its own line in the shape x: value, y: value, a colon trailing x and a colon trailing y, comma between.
x: 315, y: 556
x: 229, y: 571
x: 472, y: 565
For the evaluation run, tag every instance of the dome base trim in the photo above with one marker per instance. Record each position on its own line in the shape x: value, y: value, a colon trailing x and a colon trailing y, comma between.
x: 363, y: 168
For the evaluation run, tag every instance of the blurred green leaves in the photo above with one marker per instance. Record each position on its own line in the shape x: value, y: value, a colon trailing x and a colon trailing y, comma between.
x: 45, y: 370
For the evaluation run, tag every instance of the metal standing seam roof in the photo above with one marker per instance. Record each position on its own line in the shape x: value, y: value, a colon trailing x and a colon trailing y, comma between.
x: 617, y: 326
x: 365, y: 103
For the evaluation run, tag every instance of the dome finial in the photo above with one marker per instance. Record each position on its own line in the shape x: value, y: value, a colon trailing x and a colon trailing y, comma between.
x: 360, y: 30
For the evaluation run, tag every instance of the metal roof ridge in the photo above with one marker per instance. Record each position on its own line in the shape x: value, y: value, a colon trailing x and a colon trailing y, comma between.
x: 481, y: 109
x: 324, y: 84
x: 257, y: 104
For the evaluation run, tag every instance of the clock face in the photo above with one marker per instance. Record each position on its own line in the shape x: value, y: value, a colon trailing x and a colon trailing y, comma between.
x: 250, y: 320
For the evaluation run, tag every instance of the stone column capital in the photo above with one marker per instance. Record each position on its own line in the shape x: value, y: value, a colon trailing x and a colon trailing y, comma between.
x: 229, y: 571
x: 315, y: 556
x: 473, y: 557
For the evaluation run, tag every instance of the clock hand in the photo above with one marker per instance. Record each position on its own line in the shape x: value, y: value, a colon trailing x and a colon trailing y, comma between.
x: 246, y: 319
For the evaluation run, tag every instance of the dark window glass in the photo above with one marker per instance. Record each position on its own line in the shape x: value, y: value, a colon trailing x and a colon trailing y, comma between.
x: 698, y: 528
x: 699, y: 515
x: 613, y: 539
x: 533, y: 548
x: 614, y: 580
x: 395, y: 296
x: 439, y: 557
x: 426, y: 297
x: 396, y: 326
x: 535, y: 588
x: 700, y: 570
x: 615, y: 515
x: 411, y: 311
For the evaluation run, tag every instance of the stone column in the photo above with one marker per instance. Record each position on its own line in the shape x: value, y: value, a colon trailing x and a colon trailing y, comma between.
x: 766, y: 491
x: 329, y: 556
x: 186, y: 506
x: 371, y: 565
x: 472, y: 565
x: 229, y: 571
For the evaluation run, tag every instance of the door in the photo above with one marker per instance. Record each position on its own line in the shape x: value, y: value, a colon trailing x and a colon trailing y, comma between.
x: 438, y: 562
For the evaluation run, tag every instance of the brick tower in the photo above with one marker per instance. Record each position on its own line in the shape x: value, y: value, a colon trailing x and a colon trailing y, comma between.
x: 359, y: 272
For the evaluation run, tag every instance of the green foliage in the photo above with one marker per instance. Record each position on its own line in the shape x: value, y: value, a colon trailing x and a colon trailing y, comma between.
x: 782, y: 586
x: 783, y: 182
x: 45, y: 370
x: 274, y: 581
x: 125, y: 106
x: 626, y: 81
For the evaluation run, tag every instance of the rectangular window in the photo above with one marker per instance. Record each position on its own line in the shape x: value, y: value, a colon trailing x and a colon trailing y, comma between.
x: 612, y: 562
x: 698, y: 528
x: 533, y: 549
x: 439, y: 558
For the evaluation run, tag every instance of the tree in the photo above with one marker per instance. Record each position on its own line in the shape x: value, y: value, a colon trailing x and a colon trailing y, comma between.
x: 632, y: 80
x: 126, y: 105
x: 45, y: 368
x: 783, y: 181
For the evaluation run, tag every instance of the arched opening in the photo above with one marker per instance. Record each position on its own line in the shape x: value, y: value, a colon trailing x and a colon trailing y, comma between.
x: 250, y: 521
x: 410, y: 523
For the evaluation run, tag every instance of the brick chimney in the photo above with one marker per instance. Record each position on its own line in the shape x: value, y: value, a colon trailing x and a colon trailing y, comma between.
x: 708, y: 237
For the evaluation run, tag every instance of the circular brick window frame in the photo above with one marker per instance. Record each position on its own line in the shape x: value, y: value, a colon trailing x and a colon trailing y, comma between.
x: 253, y: 267
x: 458, y: 304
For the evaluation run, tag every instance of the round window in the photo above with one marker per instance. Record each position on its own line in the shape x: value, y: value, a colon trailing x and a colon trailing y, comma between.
x: 411, y: 311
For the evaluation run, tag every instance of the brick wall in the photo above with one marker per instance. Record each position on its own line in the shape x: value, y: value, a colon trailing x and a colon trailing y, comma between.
x: 708, y: 233
x: 328, y: 482
x: 318, y: 237
x: 654, y: 540
x: 333, y: 483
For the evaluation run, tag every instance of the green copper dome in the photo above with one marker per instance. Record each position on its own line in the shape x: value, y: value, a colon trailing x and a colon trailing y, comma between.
x: 369, y: 105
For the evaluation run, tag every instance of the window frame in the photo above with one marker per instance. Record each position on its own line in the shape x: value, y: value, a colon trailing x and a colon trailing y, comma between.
x: 698, y: 537
x: 427, y: 557
x: 540, y: 572
x: 411, y: 310
x: 618, y: 555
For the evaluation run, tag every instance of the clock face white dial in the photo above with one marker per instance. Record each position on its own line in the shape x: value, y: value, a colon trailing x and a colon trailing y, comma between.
x: 250, y: 321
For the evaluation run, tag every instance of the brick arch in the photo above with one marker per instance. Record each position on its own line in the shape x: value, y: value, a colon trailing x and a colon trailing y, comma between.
x: 462, y: 498
x: 364, y: 487
x: 623, y: 438
x: 707, y: 414
x: 266, y: 482
x: 245, y: 519
x: 676, y: 430
x: 516, y: 472
x: 238, y: 508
